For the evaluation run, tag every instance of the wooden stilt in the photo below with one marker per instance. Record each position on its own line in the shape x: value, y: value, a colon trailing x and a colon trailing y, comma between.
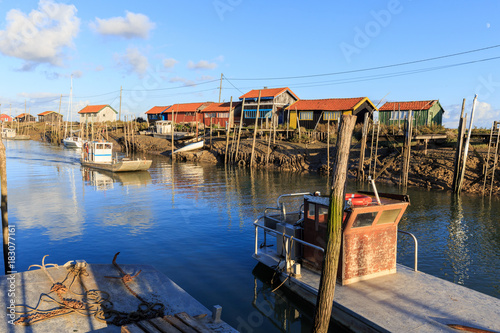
x: 255, y: 130
x: 334, y: 227
x: 239, y: 130
x: 364, y: 133
x: 5, y: 217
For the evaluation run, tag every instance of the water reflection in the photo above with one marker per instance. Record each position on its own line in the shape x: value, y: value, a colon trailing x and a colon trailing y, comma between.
x: 103, y: 180
x: 457, y: 241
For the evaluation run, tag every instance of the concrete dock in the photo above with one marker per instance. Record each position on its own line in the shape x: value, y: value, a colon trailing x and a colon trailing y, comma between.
x: 150, y: 286
x: 406, y: 301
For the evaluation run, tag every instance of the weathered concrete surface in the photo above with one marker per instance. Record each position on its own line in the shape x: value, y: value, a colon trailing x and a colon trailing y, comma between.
x: 151, y: 285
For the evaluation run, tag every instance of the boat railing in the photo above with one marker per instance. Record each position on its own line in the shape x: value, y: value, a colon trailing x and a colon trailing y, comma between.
x: 415, y: 263
x: 288, y: 240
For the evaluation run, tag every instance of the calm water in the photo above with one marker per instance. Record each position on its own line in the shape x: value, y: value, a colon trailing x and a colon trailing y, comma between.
x: 194, y: 224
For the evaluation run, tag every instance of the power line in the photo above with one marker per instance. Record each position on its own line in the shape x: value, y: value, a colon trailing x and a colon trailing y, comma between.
x: 233, y: 85
x: 366, y: 69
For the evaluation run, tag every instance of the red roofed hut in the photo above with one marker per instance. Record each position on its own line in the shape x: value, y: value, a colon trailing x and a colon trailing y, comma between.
x: 4, y: 117
x: 424, y: 113
x: 49, y: 116
x: 157, y: 113
x: 273, y: 101
x: 186, y: 112
x: 97, y: 113
x: 218, y: 113
x: 311, y: 112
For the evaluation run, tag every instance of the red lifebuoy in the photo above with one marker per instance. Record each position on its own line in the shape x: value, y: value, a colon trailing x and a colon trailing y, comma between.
x: 358, y: 199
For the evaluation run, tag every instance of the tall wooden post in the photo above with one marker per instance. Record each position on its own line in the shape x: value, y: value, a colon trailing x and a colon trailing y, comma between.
x: 5, y: 218
x: 466, y: 148
x: 459, y: 147
x: 239, y: 130
x: 334, y: 227
x: 407, y: 149
x: 364, y: 134
x: 228, y: 129
x: 255, y: 130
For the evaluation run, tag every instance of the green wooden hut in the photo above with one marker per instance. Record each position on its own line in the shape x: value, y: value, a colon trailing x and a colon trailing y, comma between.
x: 424, y: 113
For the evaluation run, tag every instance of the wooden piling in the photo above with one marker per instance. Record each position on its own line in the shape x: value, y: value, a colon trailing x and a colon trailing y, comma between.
x: 334, y: 227
x: 228, y: 131
x: 255, y: 130
x: 459, y: 147
x: 239, y: 130
x: 407, y: 150
x: 5, y: 218
x: 466, y: 148
x: 361, y: 165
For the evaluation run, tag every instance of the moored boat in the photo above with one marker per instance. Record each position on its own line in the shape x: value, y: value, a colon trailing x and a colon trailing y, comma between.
x: 73, y: 142
x: 373, y: 292
x: 99, y: 155
x: 191, y: 146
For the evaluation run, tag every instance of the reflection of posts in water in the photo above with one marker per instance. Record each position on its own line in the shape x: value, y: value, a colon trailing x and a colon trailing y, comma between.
x: 5, y: 219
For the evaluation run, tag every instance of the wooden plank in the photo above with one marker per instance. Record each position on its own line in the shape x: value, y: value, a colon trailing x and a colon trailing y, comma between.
x: 148, y: 327
x: 199, y: 326
x: 132, y: 328
x: 164, y: 326
x: 179, y: 324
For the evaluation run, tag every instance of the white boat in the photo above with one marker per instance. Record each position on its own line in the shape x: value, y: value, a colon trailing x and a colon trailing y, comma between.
x: 73, y: 142
x: 191, y: 146
x: 99, y: 155
x: 8, y: 133
x: 373, y: 293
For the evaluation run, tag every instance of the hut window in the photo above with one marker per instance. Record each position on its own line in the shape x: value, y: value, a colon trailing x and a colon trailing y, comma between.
x: 306, y: 115
x: 263, y: 113
x: 331, y: 115
x: 400, y: 115
x: 223, y: 115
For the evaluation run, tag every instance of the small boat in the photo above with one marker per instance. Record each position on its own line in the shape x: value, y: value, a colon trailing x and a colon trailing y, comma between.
x: 99, y: 155
x: 191, y: 146
x: 73, y: 142
x: 373, y: 293
x: 8, y: 133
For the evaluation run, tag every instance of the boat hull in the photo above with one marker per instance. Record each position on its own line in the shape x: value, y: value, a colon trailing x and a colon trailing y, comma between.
x: 191, y: 146
x: 122, y: 166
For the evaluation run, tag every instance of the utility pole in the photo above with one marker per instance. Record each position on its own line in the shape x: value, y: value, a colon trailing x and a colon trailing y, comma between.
x: 120, y: 112
x: 220, y: 87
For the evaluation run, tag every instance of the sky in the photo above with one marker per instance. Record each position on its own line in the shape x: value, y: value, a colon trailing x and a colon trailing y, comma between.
x: 161, y: 53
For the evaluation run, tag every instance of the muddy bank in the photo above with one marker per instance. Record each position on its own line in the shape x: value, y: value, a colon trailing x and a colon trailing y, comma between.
x: 433, y: 170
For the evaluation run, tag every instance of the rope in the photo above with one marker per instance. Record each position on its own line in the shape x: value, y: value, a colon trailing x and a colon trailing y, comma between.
x: 95, y: 303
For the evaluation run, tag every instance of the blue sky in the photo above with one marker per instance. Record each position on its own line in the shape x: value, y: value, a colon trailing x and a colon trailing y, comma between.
x: 175, y: 51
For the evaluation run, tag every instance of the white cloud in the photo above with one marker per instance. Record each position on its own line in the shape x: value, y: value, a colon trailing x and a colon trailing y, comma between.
x: 484, y: 115
x: 41, y: 36
x: 169, y: 63
x: 205, y: 78
x: 186, y: 82
x: 202, y: 64
x: 131, y: 26
x: 134, y: 61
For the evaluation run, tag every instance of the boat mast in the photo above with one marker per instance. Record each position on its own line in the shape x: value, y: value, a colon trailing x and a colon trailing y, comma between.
x: 69, y: 106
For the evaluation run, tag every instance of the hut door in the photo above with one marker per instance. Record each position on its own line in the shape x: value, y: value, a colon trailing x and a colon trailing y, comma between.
x: 293, y: 119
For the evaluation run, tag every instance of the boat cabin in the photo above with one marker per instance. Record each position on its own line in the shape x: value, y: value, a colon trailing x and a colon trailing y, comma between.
x: 8, y: 133
x: 97, y: 152
x: 369, y: 233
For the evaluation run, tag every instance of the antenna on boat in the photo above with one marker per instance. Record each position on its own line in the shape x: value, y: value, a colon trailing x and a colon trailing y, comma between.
x: 374, y: 189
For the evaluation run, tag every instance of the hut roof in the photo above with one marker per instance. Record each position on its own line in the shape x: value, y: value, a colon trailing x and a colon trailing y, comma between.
x: 220, y: 107
x: 158, y: 109
x: 405, y: 106
x: 327, y: 104
x: 272, y: 92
